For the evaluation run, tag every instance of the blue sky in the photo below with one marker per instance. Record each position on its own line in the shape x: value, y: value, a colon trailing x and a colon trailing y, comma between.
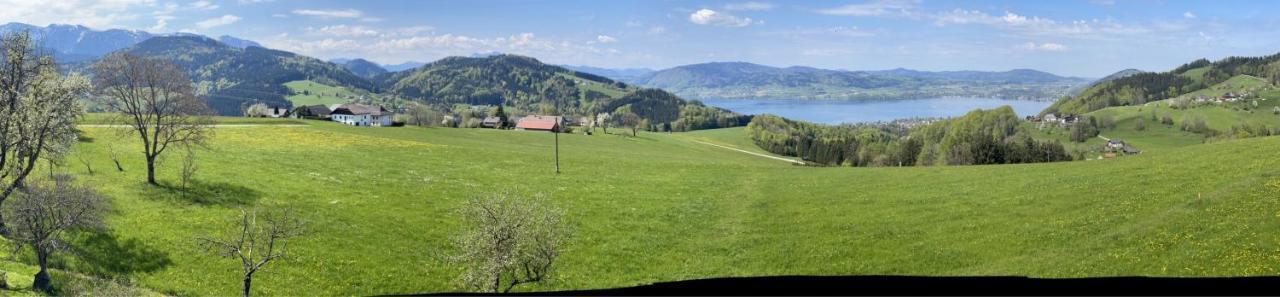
x: 1079, y: 38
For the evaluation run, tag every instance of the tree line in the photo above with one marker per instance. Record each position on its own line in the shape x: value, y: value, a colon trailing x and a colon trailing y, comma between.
x: 979, y: 137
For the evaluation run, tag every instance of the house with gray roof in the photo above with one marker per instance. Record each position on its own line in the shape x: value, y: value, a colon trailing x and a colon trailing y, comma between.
x: 362, y: 115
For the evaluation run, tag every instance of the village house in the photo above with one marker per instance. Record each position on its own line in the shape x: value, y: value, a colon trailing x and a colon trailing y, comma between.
x: 277, y: 112
x: 540, y: 123
x: 491, y: 122
x: 362, y: 115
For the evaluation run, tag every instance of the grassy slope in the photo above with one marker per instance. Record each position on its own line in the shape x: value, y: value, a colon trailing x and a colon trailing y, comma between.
x: 1156, y: 136
x: 1237, y: 84
x: 381, y: 204
x: 587, y: 85
x: 319, y: 93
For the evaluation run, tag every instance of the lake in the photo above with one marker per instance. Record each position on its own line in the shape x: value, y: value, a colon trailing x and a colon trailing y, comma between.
x: 836, y: 112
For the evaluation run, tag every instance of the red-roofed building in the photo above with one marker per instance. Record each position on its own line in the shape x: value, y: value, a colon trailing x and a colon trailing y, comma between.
x: 540, y: 123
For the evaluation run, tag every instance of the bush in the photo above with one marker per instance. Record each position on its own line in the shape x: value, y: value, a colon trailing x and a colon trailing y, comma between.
x: 1139, y: 125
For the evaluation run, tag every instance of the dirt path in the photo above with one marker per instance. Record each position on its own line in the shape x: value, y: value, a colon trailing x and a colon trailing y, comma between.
x: 750, y: 152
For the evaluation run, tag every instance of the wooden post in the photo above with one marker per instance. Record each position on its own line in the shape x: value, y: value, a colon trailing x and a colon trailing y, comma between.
x: 557, y: 132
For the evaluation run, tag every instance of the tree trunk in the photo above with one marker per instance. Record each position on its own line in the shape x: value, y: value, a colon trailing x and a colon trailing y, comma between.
x: 248, y: 278
x: 42, y: 282
x: 151, y: 170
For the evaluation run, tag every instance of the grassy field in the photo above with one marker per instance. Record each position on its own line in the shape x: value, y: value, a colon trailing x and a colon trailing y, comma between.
x: 382, y: 202
x: 317, y: 93
x: 112, y: 119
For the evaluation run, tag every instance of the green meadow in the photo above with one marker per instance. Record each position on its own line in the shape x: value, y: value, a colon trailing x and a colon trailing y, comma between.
x: 306, y: 92
x: 382, y: 203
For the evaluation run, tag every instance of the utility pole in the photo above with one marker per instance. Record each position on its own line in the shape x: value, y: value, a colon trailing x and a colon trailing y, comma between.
x: 556, y: 129
x: 557, y: 132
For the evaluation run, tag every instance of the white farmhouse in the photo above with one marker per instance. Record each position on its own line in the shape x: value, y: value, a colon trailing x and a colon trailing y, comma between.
x: 361, y: 115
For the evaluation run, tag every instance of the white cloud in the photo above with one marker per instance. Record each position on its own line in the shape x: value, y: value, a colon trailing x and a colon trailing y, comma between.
x: 203, y: 5
x: 710, y: 17
x: 95, y: 14
x: 1037, y: 26
x: 749, y: 6
x: 1189, y: 15
x: 1047, y: 47
x: 606, y: 39
x: 162, y: 21
x: 279, y: 15
x: 391, y: 46
x: 837, y: 31
x: 823, y: 52
x: 343, y: 31
x: 218, y: 21
x: 874, y: 8
x: 331, y: 13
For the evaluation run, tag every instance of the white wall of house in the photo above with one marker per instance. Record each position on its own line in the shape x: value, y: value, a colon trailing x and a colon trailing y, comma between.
x: 362, y: 120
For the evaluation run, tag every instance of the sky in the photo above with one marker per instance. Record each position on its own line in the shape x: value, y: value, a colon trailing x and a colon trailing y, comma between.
x: 1087, y: 38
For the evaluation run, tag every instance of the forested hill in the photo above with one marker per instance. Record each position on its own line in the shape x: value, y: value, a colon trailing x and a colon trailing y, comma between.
x: 732, y: 80
x: 1151, y: 86
x: 231, y: 78
x: 1075, y: 91
x: 527, y: 84
x: 363, y: 68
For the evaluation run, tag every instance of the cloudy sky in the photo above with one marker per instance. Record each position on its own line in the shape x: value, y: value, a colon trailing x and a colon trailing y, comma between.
x: 1080, y: 38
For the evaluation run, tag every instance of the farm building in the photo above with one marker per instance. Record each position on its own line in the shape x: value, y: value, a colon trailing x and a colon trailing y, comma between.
x: 277, y: 112
x: 491, y: 122
x: 361, y: 115
x: 540, y: 123
x: 312, y: 112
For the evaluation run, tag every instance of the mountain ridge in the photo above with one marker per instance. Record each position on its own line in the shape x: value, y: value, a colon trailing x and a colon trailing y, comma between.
x: 734, y: 80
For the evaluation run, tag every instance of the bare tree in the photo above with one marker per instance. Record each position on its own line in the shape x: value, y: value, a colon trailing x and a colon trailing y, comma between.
x: 508, y: 241
x: 156, y: 100
x: 43, y: 211
x: 188, y: 168
x: 87, y: 164
x: 38, y: 108
x: 261, y: 239
x: 115, y: 156
x: 630, y: 120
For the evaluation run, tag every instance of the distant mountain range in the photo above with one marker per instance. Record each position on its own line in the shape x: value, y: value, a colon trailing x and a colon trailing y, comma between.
x: 74, y: 43
x: 624, y: 74
x: 739, y: 80
x: 363, y: 68
x: 402, y: 66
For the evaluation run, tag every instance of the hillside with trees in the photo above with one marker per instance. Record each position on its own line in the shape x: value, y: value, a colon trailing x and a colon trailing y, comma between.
x: 1146, y: 87
x: 364, y: 68
x: 231, y: 78
x: 526, y: 84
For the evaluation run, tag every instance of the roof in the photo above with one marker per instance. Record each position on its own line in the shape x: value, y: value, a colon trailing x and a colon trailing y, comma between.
x: 318, y: 110
x: 535, y: 122
x: 360, y: 109
x: 492, y: 120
